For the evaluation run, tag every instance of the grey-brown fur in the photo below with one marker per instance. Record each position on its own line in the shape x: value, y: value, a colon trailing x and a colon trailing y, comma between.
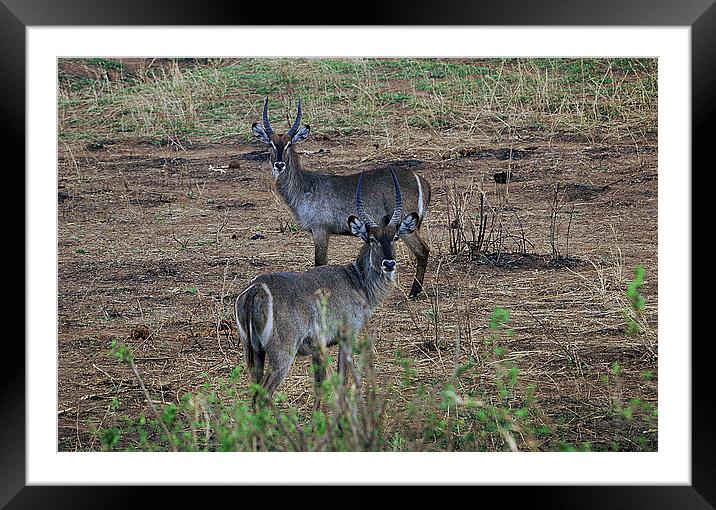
x: 279, y: 315
x: 322, y: 202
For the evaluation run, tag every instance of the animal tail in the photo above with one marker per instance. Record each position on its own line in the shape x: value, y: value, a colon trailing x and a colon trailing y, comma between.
x: 254, y: 318
x: 423, y: 198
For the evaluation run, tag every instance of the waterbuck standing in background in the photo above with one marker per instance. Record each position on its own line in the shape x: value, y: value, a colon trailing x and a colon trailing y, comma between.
x: 280, y: 315
x: 322, y: 202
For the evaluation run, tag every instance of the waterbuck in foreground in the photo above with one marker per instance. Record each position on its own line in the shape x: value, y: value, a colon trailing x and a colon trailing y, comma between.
x: 322, y: 202
x: 281, y: 315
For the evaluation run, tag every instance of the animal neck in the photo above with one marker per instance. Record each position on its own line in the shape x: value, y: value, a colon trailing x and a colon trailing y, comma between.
x: 373, y: 282
x: 292, y: 182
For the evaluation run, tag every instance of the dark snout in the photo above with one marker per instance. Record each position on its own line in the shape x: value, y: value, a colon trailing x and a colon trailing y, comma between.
x: 388, y: 265
x: 279, y: 166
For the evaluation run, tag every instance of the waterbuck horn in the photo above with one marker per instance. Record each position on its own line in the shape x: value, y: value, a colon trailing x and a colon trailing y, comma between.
x: 297, y: 122
x: 398, y: 212
x: 360, y: 208
x: 267, y: 124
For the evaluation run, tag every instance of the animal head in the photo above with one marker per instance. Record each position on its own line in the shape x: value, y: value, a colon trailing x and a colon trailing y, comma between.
x: 381, y: 238
x: 281, y: 146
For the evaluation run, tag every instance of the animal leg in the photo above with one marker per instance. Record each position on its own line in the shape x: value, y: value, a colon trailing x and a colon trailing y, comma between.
x: 320, y: 242
x: 256, y: 369
x: 279, y: 364
x: 344, y: 360
x: 319, y: 373
x: 259, y: 358
x: 420, y: 249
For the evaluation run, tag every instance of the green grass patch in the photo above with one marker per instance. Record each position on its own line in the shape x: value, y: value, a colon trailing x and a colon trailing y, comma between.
x: 349, y: 96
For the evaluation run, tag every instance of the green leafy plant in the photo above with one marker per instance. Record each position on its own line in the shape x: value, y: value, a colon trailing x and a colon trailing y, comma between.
x: 503, y: 413
x: 636, y: 302
x: 630, y: 413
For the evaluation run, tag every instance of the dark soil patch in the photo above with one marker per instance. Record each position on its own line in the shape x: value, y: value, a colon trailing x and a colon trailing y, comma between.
x: 261, y: 155
x: 148, y: 199
x: 504, y: 177
x: 221, y: 205
x: 401, y: 163
x: 95, y: 146
x: 624, y: 353
x: 502, y: 154
x: 63, y: 195
x: 583, y: 191
x: 526, y: 261
x: 163, y: 271
x: 605, y: 152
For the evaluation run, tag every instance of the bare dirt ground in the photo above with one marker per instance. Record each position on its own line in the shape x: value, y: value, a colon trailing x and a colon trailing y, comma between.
x: 156, y: 241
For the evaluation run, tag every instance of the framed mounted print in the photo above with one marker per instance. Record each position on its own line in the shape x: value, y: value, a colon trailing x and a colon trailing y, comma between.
x: 444, y: 254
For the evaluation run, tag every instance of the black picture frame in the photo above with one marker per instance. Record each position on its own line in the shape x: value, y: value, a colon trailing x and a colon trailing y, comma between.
x: 17, y: 15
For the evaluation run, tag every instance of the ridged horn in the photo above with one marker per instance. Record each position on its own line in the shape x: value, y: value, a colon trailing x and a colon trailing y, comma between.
x: 297, y: 122
x: 398, y: 212
x: 360, y: 208
x: 267, y: 124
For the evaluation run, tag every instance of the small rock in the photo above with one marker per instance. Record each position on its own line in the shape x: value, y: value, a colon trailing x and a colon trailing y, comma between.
x: 141, y: 332
x: 504, y: 176
x: 62, y: 196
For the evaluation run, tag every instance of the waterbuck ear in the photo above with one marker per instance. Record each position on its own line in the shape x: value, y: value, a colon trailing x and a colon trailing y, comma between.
x: 357, y: 227
x: 409, y: 224
x: 260, y: 133
x: 302, y: 134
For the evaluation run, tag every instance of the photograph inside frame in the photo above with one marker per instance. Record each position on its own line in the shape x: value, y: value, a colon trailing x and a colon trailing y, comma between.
x: 364, y: 254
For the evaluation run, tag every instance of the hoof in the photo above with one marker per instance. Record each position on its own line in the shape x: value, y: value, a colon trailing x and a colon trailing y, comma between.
x: 414, y: 294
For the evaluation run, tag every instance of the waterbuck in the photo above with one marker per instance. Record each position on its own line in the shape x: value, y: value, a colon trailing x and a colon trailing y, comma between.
x: 281, y: 315
x: 322, y: 202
